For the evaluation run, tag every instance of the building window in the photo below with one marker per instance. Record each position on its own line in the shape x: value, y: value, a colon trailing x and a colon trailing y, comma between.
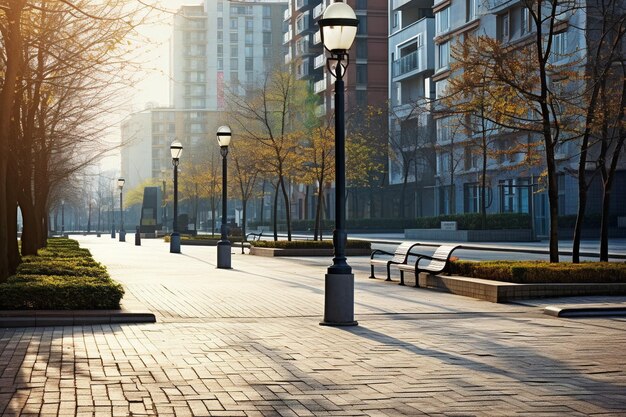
x: 444, y: 132
x: 249, y: 24
x: 362, y: 28
x: 234, y: 37
x: 267, y: 24
x: 524, y: 21
x: 234, y: 22
x: 249, y: 52
x: 471, y: 158
x: 504, y: 27
x: 442, y: 20
x: 361, y: 48
x: 559, y: 46
x: 267, y: 38
x: 234, y: 50
x: 220, y: 35
x: 249, y: 64
x: 440, y: 88
x: 220, y: 23
x: 220, y: 50
x: 267, y: 11
x: 396, y: 19
x: 361, y: 74
x: 361, y: 4
x: 443, y: 58
x: 302, y: 22
x: 443, y: 166
x: 220, y: 64
x: 234, y: 64
x: 361, y: 98
x: 471, y: 197
x: 470, y: 9
x: 249, y: 38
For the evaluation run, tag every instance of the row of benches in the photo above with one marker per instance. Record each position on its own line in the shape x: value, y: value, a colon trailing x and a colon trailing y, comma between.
x: 435, y: 263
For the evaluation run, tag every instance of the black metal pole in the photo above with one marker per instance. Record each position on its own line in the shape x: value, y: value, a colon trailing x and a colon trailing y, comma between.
x: 62, y: 219
x: 223, y: 246
x: 175, y: 222
x: 122, y: 232
x: 164, y: 207
x: 223, y: 229
x: 340, y: 236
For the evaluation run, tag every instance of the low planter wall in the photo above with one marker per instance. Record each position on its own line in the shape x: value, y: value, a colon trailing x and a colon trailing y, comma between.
x: 502, y: 235
x: 304, y: 252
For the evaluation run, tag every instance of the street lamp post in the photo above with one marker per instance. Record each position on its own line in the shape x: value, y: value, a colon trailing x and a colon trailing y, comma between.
x: 176, y: 149
x: 338, y: 28
x: 62, y: 217
x: 223, y: 246
x: 164, y: 204
x: 120, y: 185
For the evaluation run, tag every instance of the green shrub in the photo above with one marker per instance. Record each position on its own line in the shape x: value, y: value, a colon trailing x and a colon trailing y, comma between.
x: 54, y: 267
x: 62, y: 277
x: 308, y: 244
x: 59, y: 293
x: 526, y: 272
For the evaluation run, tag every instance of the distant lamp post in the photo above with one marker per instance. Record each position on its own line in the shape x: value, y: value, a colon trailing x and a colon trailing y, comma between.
x: 164, y: 203
x: 338, y: 28
x: 62, y: 217
x: 120, y: 185
x: 176, y: 149
x: 223, y: 246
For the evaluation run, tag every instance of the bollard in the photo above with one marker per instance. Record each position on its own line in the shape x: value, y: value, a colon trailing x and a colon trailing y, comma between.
x: 137, y: 237
x: 112, y: 231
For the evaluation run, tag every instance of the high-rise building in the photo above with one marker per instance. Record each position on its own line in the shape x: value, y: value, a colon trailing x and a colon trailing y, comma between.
x: 422, y: 38
x: 223, y: 45
x: 411, y: 130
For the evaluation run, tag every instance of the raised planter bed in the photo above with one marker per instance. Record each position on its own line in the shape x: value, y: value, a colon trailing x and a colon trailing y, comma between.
x: 502, y: 235
x: 305, y: 252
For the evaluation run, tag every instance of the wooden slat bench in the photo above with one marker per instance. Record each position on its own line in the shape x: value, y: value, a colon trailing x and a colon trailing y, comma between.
x: 435, y: 263
x: 400, y: 256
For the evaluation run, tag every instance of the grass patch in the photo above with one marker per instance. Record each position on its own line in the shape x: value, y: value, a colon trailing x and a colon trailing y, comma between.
x: 62, y: 277
x: 536, y: 272
x: 308, y: 244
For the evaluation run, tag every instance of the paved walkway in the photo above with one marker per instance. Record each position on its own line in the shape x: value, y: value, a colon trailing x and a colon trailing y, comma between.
x: 246, y: 342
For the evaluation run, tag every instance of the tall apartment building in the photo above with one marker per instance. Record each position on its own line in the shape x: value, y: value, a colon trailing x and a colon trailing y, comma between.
x: 411, y: 126
x: 366, y: 77
x: 220, y: 45
x: 420, y: 45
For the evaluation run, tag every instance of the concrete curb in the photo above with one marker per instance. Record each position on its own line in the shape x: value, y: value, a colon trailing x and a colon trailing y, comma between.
x: 597, y: 311
x: 41, y: 318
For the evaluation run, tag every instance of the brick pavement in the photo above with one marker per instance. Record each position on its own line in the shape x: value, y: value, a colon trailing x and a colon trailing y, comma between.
x: 247, y: 342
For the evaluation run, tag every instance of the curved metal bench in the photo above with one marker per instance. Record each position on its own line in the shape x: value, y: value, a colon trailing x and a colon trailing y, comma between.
x: 400, y: 256
x: 437, y: 263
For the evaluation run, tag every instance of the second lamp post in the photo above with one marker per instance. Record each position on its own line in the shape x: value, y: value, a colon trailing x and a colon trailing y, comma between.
x: 338, y: 28
x: 120, y: 185
x: 223, y: 246
x: 176, y: 149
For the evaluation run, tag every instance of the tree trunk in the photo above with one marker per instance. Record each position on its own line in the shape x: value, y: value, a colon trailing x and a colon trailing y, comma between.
x: 275, y: 212
x: 287, y: 207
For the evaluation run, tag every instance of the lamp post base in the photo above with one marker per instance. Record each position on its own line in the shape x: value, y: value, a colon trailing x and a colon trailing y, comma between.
x: 122, y: 236
x: 339, y: 300
x: 223, y: 254
x: 175, y: 243
x: 112, y: 232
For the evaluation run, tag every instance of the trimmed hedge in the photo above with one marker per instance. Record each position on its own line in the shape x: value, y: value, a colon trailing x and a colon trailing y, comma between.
x: 535, y: 272
x: 467, y: 221
x: 62, y: 277
x: 308, y: 244
x: 234, y: 238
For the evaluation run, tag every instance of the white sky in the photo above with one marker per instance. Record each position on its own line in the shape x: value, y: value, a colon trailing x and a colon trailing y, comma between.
x: 154, y: 82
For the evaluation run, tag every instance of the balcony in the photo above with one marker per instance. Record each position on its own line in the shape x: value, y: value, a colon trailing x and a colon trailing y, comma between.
x: 320, y: 110
x: 413, y: 62
x: 318, y: 10
x: 319, y: 61
x: 317, y: 38
x: 319, y: 86
x: 419, y: 36
x: 288, y: 57
x: 287, y: 37
x: 287, y: 14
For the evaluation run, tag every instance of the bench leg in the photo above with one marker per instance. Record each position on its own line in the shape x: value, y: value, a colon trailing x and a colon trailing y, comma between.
x: 372, y: 272
x: 401, y: 277
x: 388, y: 272
x: 417, y: 279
